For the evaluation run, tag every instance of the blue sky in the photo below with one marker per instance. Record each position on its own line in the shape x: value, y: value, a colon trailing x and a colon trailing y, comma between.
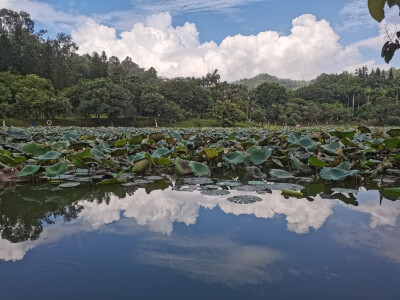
x: 97, y: 24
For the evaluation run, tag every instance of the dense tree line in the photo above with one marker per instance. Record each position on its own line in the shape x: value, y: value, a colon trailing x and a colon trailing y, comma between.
x: 44, y: 78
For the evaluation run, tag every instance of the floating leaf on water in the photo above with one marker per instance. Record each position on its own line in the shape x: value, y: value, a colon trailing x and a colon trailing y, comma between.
x: 113, y: 181
x: 57, y: 169
x: 281, y: 174
x: 253, y: 182
x: 229, y: 183
x: 255, y: 172
x: 51, y: 155
x: 215, y: 192
x: 210, y: 187
x: 69, y: 184
x: 29, y: 170
x: 292, y: 193
x: 155, y: 178
x: 198, y: 180
x: 316, y: 162
x: 244, y: 199
x: 392, y: 193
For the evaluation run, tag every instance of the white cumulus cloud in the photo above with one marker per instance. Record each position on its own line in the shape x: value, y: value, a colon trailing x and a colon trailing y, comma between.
x: 311, y: 48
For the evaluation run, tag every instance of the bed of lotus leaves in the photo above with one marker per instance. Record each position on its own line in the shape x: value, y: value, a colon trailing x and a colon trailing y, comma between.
x: 116, y: 156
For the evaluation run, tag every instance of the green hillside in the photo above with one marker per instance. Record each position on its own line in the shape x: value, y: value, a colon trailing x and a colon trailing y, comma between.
x: 262, y: 78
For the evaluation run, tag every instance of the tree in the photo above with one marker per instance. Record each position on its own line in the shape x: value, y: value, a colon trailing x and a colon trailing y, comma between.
x: 268, y: 94
x: 258, y: 116
x: 154, y: 104
x: 227, y: 113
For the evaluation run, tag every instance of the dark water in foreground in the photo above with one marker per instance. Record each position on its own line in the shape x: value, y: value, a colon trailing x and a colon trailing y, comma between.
x: 144, y: 243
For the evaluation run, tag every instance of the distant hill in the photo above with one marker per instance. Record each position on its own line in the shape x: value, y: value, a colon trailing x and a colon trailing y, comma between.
x: 262, y: 78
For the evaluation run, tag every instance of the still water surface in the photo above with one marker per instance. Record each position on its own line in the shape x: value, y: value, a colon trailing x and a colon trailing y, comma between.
x: 148, y: 243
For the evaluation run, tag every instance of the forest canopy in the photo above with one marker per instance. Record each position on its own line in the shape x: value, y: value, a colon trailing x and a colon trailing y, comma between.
x: 45, y: 78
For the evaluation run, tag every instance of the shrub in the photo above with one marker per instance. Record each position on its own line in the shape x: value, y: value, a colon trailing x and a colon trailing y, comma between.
x: 393, y: 121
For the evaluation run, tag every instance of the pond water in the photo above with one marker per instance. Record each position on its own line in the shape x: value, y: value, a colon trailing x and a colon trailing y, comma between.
x: 165, y: 239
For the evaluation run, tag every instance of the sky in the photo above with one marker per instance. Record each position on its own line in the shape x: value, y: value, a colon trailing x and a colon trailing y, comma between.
x: 241, y: 38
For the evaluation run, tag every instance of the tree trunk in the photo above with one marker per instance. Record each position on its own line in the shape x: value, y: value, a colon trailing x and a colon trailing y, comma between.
x: 4, y: 122
x: 353, y: 105
x: 155, y: 122
x: 397, y: 97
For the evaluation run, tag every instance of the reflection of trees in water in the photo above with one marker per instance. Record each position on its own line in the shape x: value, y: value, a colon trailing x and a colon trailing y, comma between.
x: 25, y: 210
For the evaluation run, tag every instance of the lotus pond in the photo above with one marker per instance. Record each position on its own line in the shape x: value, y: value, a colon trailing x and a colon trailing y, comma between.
x: 116, y: 213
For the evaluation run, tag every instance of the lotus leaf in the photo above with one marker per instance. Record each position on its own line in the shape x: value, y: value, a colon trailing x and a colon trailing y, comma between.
x: 76, y: 161
x: 182, y: 166
x: 29, y: 170
x: 51, y: 155
x: 296, y: 138
x: 235, y: 158
x: 34, y: 149
x: 393, y: 193
x: 394, y: 132
x: 199, y: 169
x: 215, y: 192
x: 162, y: 152
x: 57, y: 169
x: 211, y: 153
x: 332, y: 148
x: 86, y: 153
x: 392, y: 143
x: 337, y: 173
x: 96, y: 152
x: 297, y: 164
x: 259, y: 155
x: 292, y: 193
x: 316, y: 162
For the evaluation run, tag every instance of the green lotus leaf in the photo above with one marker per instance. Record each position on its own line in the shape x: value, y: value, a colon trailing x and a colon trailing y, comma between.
x: 345, y: 191
x: 337, y: 173
x: 119, y: 152
x: 316, y: 162
x: 259, y: 155
x: 296, y: 138
x: 211, y: 153
x: 76, y: 161
x: 156, y: 136
x: 34, y: 149
x: 121, y: 143
x: 79, y: 145
x: 229, y: 183
x: 162, y: 152
x: 137, y: 157
x: 182, y: 166
x: 281, y: 174
x: 291, y: 193
x: 6, y: 159
x: 256, y: 182
x: 392, y: 193
x: 57, y: 169
x: 51, y: 155
x: 394, y: 132
x: 162, y: 161
x: 86, y: 153
x: 59, y: 146
x: 343, y: 134
x: 113, y: 181
x: 235, y: 158
x: 332, y: 148
x: 96, y: 152
x: 199, y: 169
x: 392, y: 143
x: 297, y: 164
x: 29, y: 170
